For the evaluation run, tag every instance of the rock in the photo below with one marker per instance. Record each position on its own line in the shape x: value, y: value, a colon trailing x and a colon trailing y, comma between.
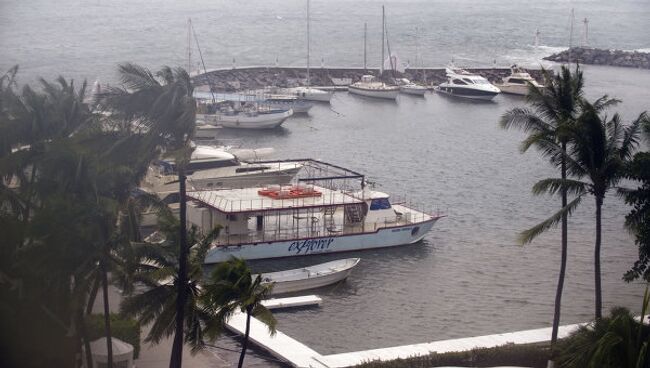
x: 631, y: 59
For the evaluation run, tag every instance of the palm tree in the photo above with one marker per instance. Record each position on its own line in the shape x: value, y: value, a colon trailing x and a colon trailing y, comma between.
x: 161, y: 106
x: 554, y: 109
x: 638, y: 220
x: 600, y: 149
x: 231, y: 287
x: 156, y: 267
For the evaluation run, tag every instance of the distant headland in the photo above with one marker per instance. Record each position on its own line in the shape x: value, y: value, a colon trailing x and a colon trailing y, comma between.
x: 588, y: 55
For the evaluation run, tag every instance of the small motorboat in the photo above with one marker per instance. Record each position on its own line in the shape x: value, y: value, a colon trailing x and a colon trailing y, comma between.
x: 410, y: 88
x: 310, y: 277
x: 517, y: 82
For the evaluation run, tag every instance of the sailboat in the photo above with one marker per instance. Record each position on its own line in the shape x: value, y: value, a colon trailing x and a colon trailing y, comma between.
x: 405, y: 85
x: 308, y: 92
x: 367, y: 86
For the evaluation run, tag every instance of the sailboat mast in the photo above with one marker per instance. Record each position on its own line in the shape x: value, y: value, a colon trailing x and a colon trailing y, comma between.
x: 365, y: 51
x: 381, y: 65
x: 308, y: 76
x: 189, y: 45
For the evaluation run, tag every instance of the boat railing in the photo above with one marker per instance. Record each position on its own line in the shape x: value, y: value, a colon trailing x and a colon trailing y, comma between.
x: 309, y: 227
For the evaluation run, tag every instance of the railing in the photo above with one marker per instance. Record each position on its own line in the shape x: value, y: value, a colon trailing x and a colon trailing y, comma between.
x: 306, y: 227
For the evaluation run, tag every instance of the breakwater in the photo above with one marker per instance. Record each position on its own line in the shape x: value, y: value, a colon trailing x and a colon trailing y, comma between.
x: 237, y: 79
x: 587, y: 55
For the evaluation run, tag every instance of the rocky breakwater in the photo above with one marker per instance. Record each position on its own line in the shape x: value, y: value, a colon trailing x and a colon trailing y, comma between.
x: 586, y: 55
x: 240, y: 79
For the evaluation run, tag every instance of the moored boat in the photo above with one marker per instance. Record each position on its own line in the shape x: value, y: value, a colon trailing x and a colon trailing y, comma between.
x: 410, y: 88
x: 368, y: 87
x: 518, y: 82
x: 462, y: 83
x: 305, y: 218
x: 310, y: 277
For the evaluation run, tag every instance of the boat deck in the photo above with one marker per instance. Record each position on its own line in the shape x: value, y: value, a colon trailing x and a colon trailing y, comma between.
x: 248, y: 200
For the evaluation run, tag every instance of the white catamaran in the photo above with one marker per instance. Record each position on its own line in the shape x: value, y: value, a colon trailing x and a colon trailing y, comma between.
x: 323, y: 213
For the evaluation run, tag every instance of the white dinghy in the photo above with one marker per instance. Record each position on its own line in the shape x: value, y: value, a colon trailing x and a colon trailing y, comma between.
x: 310, y: 277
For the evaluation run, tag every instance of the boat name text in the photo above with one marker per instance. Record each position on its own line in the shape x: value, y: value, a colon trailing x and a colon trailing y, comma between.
x: 310, y: 245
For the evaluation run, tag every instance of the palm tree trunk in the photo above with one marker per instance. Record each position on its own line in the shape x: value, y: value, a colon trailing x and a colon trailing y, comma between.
x: 92, y: 296
x: 560, y: 281
x: 244, y: 344
x: 107, y: 316
x: 599, y: 296
x: 181, y: 300
x: 84, y: 336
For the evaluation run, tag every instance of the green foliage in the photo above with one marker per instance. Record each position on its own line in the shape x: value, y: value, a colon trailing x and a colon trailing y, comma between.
x: 617, y: 341
x: 125, y: 329
x: 156, y: 267
x: 638, y: 220
x: 533, y: 356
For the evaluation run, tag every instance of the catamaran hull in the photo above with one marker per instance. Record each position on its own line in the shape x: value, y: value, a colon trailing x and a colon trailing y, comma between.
x: 382, y: 238
x: 387, y: 94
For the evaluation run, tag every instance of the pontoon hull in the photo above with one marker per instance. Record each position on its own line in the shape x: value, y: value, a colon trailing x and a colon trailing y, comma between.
x: 385, y: 237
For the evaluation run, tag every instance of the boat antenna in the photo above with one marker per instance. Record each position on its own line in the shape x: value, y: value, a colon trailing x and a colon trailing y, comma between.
x: 189, y: 45
x: 205, y: 70
x: 365, y: 33
x: 571, y: 21
x: 381, y: 65
x: 308, y: 76
x: 537, y: 33
x: 586, y: 35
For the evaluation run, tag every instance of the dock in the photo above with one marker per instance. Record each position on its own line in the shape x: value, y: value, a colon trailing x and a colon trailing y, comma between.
x: 280, y: 345
x: 297, y: 354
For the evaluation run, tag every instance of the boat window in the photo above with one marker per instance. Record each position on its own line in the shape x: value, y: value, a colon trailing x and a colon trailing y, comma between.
x: 251, y: 168
x: 468, y: 81
x: 204, y: 165
x: 172, y: 198
x: 458, y: 81
x: 231, y: 217
x: 379, y: 204
x: 516, y: 81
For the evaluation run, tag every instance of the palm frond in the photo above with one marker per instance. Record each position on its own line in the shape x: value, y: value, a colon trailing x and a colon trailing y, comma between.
x: 529, y: 235
x: 554, y: 186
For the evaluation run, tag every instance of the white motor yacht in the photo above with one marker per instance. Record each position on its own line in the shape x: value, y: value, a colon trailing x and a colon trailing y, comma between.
x: 215, y: 168
x: 368, y: 87
x: 462, y: 83
x: 517, y: 82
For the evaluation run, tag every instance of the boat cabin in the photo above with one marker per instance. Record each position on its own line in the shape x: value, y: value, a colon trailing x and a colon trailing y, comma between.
x: 296, y: 211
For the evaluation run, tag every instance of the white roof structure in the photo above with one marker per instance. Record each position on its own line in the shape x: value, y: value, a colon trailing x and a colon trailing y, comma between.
x: 122, y: 351
x: 248, y: 200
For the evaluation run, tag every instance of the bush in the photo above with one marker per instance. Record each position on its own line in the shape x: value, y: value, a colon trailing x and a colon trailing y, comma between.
x: 125, y: 329
x: 509, y: 355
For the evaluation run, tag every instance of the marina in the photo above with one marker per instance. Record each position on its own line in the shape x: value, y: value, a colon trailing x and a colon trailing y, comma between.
x: 391, y: 189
